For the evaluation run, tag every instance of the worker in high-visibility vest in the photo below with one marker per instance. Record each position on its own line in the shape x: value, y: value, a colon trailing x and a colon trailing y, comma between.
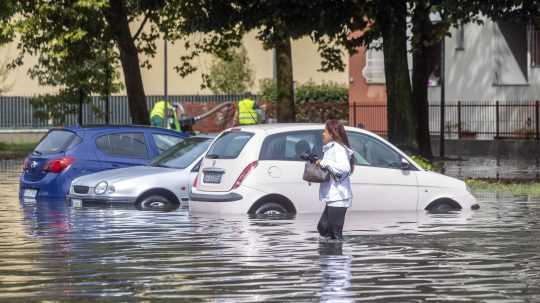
x: 164, y: 114
x: 247, y: 112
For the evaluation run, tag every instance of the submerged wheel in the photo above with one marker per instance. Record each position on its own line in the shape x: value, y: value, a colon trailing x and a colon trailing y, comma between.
x: 443, y: 206
x: 271, y: 209
x: 156, y: 202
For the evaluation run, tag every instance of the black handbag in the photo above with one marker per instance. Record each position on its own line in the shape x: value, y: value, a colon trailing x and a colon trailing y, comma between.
x: 315, y: 174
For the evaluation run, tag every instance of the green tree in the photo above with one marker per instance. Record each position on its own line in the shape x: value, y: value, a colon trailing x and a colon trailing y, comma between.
x: 94, y: 32
x: 4, y: 71
x: 232, y: 75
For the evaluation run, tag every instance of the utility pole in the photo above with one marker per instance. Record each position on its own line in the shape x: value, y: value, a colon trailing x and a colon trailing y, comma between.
x: 443, y: 101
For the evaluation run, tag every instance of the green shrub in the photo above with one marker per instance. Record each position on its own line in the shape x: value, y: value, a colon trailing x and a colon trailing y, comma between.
x: 423, y: 162
x: 324, y: 92
x: 307, y: 92
x: 319, y: 102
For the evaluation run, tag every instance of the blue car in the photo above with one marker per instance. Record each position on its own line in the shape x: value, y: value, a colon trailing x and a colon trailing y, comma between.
x: 67, y: 153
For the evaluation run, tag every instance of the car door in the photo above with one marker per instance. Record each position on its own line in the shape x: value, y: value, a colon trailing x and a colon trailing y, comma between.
x: 122, y: 149
x: 378, y: 181
x: 280, y: 159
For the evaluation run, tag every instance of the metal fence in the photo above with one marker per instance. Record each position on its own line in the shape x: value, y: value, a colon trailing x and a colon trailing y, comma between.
x: 465, y: 119
x: 18, y: 112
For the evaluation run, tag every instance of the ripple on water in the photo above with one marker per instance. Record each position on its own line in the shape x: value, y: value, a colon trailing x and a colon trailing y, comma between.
x: 51, y: 252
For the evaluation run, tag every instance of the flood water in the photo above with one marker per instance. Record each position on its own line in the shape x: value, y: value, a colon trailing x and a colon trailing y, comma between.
x: 493, y: 168
x: 51, y: 252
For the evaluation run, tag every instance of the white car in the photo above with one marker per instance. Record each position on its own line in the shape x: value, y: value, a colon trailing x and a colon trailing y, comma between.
x: 257, y: 170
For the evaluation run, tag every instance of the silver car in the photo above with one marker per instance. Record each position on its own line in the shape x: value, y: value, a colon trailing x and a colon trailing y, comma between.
x: 163, y: 185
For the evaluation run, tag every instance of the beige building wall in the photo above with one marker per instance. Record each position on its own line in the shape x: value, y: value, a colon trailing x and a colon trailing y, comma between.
x: 306, y: 61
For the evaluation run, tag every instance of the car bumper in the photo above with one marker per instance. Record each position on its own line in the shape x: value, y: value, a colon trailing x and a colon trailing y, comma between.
x: 50, y: 186
x: 228, y: 197
x: 237, y: 202
x: 93, y: 199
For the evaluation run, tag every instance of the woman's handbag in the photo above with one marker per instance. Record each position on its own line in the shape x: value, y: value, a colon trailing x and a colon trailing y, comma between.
x: 315, y: 174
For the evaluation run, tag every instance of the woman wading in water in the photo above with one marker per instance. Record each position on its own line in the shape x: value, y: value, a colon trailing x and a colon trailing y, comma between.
x: 336, y: 193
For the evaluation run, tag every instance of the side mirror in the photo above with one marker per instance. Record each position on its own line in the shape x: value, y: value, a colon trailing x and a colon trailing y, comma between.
x: 405, y: 165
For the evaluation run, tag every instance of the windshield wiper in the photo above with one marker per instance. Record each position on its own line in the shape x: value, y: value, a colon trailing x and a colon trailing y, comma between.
x: 212, y: 156
x: 161, y: 165
x: 37, y: 152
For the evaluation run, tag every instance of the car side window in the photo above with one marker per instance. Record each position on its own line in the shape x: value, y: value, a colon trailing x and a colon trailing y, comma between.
x: 289, y: 146
x: 164, y: 142
x: 129, y: 145
x: 369, y: 151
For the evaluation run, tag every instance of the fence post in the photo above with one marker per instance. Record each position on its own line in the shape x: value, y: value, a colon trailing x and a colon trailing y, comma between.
x: 459, y: 119
x: 497, y: 120
x: 536, y: 110
x: 354, y: 114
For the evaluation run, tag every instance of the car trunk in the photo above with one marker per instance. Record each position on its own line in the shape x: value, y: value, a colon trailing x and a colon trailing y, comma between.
x: 35, y: 165
x: 51, y: 147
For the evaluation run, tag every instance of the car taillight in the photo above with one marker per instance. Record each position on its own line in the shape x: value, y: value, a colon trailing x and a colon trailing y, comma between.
x: 196, y: 181
x: 58, y: 165
x: 244, y: 174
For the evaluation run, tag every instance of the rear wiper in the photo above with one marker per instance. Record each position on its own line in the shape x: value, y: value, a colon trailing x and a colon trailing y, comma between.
x: 212, y: 156
x: 37, y: 152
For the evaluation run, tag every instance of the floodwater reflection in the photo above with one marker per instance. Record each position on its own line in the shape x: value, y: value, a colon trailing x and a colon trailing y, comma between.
x: 53, y: 252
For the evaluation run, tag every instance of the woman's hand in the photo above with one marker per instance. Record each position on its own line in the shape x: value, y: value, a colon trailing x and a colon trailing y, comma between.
x: 318, y: 162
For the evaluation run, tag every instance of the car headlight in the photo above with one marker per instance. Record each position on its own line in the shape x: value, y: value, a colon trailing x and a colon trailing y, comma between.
x: 101, y: 188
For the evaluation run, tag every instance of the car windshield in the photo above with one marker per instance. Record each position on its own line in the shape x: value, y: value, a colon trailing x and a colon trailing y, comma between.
x: 57, y: 141
x: 182, y: 154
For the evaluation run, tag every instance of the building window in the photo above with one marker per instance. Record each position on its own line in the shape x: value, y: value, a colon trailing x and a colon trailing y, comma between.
x: 460, y: 37
x: 373, y: 72
x: 434, y: 58
x: 534, y: 31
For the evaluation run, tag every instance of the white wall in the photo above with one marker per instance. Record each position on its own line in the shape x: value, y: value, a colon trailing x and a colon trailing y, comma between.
x: 470, y: 73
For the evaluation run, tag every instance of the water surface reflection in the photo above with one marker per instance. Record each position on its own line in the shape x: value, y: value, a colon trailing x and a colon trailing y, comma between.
x: 53, y: 252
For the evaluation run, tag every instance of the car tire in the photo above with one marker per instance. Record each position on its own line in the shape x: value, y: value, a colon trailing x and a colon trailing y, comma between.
x: 156, y: 203
x: 443, y: 206
x: 271, y: 209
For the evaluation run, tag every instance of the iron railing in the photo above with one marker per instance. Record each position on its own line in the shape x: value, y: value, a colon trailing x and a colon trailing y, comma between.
x: 465, y: 119
x: 18, y: 112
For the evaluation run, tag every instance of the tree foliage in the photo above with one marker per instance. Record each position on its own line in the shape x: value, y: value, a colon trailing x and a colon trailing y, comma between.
x: 4, y: 72
x: 233, y: 75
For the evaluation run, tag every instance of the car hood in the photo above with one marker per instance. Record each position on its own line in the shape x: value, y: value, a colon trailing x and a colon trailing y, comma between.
x: 120, y: 174
x: 432, y: 179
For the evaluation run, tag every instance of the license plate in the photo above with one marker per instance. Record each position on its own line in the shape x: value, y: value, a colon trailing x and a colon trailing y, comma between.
x: 212, y: 178
x: 76, y: 203
x: 30, y: 193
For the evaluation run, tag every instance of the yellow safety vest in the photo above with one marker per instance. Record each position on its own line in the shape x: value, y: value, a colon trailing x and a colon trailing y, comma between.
x: 159, y: 110
x: 246, y: 112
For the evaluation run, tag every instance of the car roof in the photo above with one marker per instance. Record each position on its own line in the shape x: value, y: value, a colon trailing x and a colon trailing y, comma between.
x: 106, y: 127
x: 282, y: 127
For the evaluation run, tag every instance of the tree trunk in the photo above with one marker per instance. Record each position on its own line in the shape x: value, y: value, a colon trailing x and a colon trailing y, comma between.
x: 423, y: 64
x: 284, y: 75
x: 129, y: 56
x: 391, y: 19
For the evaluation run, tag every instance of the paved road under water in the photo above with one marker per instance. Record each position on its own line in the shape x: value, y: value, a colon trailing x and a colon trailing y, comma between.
x: 52, y: 252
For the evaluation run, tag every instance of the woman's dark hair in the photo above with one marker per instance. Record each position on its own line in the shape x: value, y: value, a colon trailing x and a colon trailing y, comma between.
x: 338, y: 134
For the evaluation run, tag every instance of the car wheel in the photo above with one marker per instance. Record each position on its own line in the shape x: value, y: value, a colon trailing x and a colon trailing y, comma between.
x: 271, y: 209
x: 156, y: 202
x: 443, y: 206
